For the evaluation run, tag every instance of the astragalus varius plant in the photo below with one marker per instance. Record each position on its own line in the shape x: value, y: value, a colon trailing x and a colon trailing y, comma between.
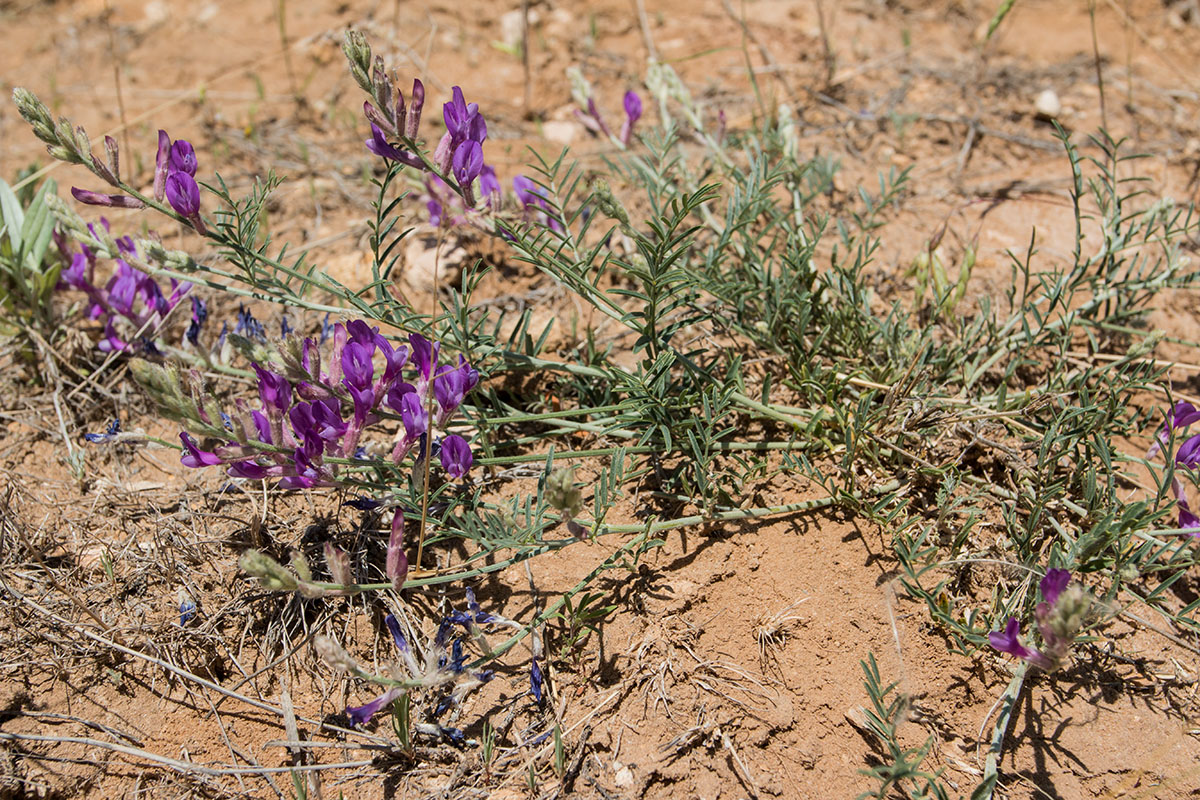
x: 754, y: 345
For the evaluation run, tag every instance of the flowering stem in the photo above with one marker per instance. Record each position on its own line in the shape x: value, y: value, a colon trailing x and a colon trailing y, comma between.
x: 429, y: 407
x: 1008, y: 704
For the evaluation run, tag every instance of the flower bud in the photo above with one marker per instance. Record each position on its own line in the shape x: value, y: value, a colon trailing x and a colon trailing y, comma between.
x: 161, y: 165
x: 562, y: 492
x: 338, y: 563
x: 358, y: 53
x: 270, y: 573
x: 114, y: 158
x: 413, y: 123
x: 396, y: 567
x: 333, y: 654
x: 34, y: 112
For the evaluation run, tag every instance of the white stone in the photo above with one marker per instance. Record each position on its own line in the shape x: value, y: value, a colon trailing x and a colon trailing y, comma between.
x: 1048, y: 104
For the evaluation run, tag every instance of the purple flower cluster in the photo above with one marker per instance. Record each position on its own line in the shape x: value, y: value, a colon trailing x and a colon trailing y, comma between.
x: 1059, y: 616
x: 130, y: 304
x: 458, y: 154
x: 174, y: 179
x: 301, y: 420
x: 1187, y: 455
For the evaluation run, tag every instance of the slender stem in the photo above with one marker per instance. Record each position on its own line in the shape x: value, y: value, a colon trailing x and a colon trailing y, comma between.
x: 429, y: 404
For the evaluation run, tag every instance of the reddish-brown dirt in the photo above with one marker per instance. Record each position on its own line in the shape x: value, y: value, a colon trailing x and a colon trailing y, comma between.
x: 689, y: 689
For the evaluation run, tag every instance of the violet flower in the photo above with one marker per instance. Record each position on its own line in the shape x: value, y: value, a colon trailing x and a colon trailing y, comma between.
x: 109, y: 434
x: 182, y: 157
x: 184, y: 196
x: 1059, y: 616
x: 443, y: 664
x: 456, y: 456
x: 248, y: 326
x: 361, y: 715
x: 1187, y: 456
x: 1181, y: 416
x: 450, y: 387
x: 1009, y: 641
x: 633, y: 112
x: 195, y: 457
x: 489, y: 187
x: 199, y: 317
x: 379, y: 145
x: 111, y: 200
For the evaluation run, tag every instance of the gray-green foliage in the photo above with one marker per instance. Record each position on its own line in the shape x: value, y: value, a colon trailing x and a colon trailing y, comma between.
x: 29, y: 266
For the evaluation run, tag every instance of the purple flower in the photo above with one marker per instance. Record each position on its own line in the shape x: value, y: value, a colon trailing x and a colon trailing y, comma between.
x: 248, y: 326
x: 1188, y: 454
x: 112, y: 342
x: 1187, y: 519
x: 193, y: 456
x: 463, y: 120
x: 451, y: 386
x: 633, y: 112
x: 535, y: 680
x: 1009, y: 641
x: 199, y: 316
x: 424, y: 356
x: 526, y: 191
x: 364, y: 401
x: 109, y: 434
x: 318, y: 422
x: 184, y: 196
x: 262, y: 426
x: 1054, y: 583
x: 394, y: 361
x: 77, y: 274
x: 379, y: 145
x: 1182, y: 415
x: 489, y: 187
x: 413, y: 414
x: 456, y: 456
x: 360, y: 715
x: 397, y: 635
x: 467, y: 164
x: 357, y: 367
x: 274, y: 389
x: 249, y: 470
x: 182, y: 157
x: 110, y: 200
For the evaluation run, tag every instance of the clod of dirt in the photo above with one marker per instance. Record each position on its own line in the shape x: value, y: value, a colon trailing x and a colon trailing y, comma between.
x: 423, y: 261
